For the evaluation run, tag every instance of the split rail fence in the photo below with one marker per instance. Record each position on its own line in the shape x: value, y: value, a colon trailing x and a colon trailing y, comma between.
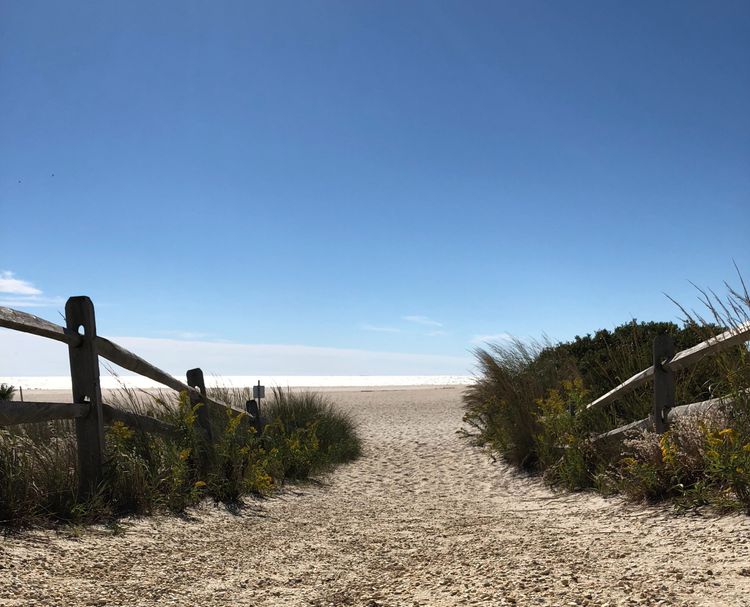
x: 88, y: 410
x: 662, y: 372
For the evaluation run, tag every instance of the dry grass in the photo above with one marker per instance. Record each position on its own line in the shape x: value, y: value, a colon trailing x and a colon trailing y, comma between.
x: 146, y: 473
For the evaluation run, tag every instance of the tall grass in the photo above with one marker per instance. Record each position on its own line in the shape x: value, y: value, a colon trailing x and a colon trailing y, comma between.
x: 335, y: 432
x: 38, y: 476
x: 146, y: 473
x: 528, y: 405
x: 7, y: 392
x: 501, y: 405
x: 702, y: 459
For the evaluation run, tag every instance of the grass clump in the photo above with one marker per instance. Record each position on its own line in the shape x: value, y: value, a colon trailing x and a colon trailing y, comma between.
x: 7, y: 392
x: 702, y: 459
x: 529, y: 406
x: 146, y: 473
x: 310, y: 414
x: 38, y: 473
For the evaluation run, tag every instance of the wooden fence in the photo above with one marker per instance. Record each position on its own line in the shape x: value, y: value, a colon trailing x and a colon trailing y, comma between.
x: 662, y: 372
x: 88, y: 410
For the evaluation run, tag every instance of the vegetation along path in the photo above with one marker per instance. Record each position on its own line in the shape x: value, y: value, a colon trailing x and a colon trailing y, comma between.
x: 421, y: 519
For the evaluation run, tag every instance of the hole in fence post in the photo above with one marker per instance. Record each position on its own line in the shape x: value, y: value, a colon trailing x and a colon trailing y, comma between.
x: 664, y: 387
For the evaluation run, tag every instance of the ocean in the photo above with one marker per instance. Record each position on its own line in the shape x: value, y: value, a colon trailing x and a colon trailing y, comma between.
x: 62, y: 382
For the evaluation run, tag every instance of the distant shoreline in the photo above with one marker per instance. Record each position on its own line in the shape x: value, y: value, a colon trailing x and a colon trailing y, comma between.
x: 61, y: 382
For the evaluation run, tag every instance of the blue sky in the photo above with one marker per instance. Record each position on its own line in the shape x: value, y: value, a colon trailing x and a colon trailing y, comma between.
x: 385, y: 177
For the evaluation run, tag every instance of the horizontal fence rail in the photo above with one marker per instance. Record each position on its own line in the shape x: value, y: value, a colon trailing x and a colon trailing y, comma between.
x: 628, y: 385
x: 681, y: 360
x: 672, y: 414
x: 19, y: 412
x: 28, y: 323
x: 143, y: 422
x: 13, y: 413
x: 665, y: 364
x: 88, y: 410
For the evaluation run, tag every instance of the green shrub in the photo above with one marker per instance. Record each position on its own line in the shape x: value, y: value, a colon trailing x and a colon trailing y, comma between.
x: 728, y: 464
x: 38, y: 473
x: 528, y: 405
x: 698, y: 461
x: 7, y: 392
x: 146, y: 473
x: 311, y: 420
x: 501, y: 406
x: 566, y: 454
x: 654, y: 467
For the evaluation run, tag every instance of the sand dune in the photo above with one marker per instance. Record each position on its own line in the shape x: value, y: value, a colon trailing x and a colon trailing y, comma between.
x: 422, y: 519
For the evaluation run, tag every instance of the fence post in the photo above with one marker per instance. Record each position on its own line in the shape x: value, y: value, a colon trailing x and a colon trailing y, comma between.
x: 84, y: 373
x: 195, y: 380
x: 253, y: 408
x: 664, y: 387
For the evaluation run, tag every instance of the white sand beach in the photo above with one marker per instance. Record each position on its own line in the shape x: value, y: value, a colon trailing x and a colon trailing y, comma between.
x: 422, y: 519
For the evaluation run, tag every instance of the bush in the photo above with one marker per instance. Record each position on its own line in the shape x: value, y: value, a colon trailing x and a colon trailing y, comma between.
x: 145, y: 472
x: 38, y: 473
x: 501, y: 406
x: 528, y: 405
x: 654, y: 467
x: 7, y: 392
x: 699, y: 461
x: 297, y: 414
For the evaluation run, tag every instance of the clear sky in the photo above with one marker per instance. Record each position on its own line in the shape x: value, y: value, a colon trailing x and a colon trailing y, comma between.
x: 381, y: 176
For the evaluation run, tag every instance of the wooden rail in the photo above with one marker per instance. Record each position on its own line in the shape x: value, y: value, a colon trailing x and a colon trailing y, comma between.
x: 672, y: 414
x: 19, y: 412
x: 135, y: 420
x: 88, y: 411
x: 628, y: 385
x: 665, y: 364
x: 28, y: 323
x: 710, y: 347
x: 13, y: 413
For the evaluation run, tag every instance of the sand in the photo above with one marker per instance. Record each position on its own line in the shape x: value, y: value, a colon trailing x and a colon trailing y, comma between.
x: 421, y: 519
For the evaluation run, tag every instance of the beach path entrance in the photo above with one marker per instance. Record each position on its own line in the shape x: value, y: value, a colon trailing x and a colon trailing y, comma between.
x: 422, y: 519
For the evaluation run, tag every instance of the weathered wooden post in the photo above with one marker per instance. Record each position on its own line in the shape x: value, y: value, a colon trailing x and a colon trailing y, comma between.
x: 253, y: 408
x: 664, y: 387
x: 84, y: 373
x: 195, y: 380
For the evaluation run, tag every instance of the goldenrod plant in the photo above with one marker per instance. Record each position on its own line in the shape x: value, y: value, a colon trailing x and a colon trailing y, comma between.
x: 147, y: 473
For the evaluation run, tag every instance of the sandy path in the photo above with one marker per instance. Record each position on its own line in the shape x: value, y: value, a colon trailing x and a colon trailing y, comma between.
x: 422, y: 519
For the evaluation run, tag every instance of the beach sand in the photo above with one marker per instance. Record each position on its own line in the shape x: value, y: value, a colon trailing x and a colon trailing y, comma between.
x: 422, y: 519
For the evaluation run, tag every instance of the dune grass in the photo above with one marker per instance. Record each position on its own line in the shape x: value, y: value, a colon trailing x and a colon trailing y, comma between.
x: 7, y: 392
x: 146, y: 473
x: 335, y: 432
x: 528, y: 406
